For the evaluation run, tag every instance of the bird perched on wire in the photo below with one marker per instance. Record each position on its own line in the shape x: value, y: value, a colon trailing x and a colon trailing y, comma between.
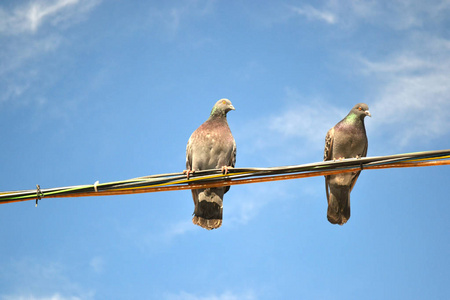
x: 347, y: 139
x: 211, y: 146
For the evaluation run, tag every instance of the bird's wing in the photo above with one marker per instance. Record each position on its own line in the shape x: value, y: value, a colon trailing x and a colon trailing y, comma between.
x: 231, y: 161
x: 328, y: 155
x: 233, y: 155
x: 328, y: 152
x: 364, y: 154
x: 189, y: 154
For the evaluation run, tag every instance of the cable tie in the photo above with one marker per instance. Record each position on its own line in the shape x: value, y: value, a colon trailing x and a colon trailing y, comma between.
x: 38, y: 194
x: 95, y: 186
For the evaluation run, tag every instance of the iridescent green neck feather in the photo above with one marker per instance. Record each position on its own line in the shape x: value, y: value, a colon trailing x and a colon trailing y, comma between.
x: 351, y: 117
x: 217, y: 112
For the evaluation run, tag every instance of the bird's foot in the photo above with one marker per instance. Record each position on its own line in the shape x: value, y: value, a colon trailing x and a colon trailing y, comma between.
x: 187, y: 172
x: 339, y: 159
x: 225, y: 169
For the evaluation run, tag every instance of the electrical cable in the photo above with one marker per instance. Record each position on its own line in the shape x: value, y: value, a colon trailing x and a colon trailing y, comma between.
x: 215, y: 177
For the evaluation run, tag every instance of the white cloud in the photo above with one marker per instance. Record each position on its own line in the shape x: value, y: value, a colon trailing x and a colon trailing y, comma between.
x: 177, y: 229
x: 56, y: 296
x: 396, y: 14
x: 28, y: 280
x: 18, y: 73
x: 22, y: 51
x: 227, y: 295
x: 257, y: 196
x: 403, y: 63
x: 307, y: 121
x: 294, y: 133
x: 174, y: 17
x: 155, y: 240
x: 97, y: 264
x: 249, y: 70
x: 37, y: 13
x: 312, y: 13
x: 408, y: 90
x: 409, y: 101
x: 413, y: 96
x: 25, y: 44
x: 236, y: 214
x: 28, y: 18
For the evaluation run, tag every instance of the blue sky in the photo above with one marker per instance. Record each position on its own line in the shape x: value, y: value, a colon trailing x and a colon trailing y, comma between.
x: 111, y: 90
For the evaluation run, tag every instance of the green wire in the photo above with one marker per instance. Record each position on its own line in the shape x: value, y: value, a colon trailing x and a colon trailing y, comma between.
x: 234, y: 173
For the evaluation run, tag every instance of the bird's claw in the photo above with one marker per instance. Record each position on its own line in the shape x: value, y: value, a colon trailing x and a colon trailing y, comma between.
x: 225, y: 169
x: 339, y: 159
x: 187, y: 172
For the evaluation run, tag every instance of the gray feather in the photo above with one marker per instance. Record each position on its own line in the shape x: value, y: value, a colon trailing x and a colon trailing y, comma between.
x: 211, y: 146
x: 347, y: 139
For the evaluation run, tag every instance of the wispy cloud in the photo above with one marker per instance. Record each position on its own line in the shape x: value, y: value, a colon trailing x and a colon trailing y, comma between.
x: 97, y: 264
x: 414, y: 91
x: 26, y: 45
x: 257, y: 196
x: 301, y: 123
x: 155, y: 240
x: 409, y: 101
x: 177, y: 229
x: 28, y: 18
x: 28, y: 280
x: 56, y: 296
x: 17, y: 56
x: 308, y: 121
x: 314, y: 14
x: 175, y: 17
x: 409, y: 87
x: 249, y: 70
x: 397, y: 14
x: 227, y: 295
x: 237, y: 213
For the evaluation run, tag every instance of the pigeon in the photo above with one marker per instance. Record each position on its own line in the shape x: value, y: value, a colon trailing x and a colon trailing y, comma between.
x: 211, y: 146
x: 347, y: 139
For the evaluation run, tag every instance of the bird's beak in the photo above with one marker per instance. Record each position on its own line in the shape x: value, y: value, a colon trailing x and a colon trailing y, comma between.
x: 232, y: 107
x: 368, y: 113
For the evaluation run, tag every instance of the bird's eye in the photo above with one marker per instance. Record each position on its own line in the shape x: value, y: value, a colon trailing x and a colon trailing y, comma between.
x: 224, y: 102
x: 360, y: 108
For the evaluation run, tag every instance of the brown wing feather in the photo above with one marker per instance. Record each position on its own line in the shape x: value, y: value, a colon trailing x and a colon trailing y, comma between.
x: 189, y: 168
x: 233, y: 155
x: 328, y: 152
x: 328, y: 155
x: 189, y: 155
x: 232, y: 162
x: 364, y: 154
x: 354, y: 180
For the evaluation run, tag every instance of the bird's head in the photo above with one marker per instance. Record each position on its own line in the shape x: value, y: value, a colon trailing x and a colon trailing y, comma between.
x: 361, y: 110
x: 222, y: 107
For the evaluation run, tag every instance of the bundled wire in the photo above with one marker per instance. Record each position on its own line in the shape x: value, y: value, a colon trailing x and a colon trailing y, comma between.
x: 215, y: 177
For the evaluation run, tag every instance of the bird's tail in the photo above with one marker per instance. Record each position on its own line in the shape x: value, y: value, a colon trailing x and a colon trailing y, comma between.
x: 208, y: 208
x: 338, y: 206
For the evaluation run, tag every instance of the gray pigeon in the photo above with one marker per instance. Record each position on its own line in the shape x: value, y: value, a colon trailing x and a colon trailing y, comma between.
x: 211, y: 146
x: 347, y: 139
